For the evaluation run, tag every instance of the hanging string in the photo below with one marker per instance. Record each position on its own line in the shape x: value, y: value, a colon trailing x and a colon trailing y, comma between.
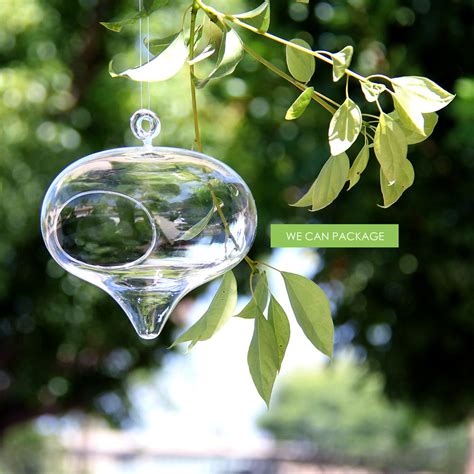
x: 142, y: 42
x: 140, y: 8
x: 144, y: 116
x: 148, y: 57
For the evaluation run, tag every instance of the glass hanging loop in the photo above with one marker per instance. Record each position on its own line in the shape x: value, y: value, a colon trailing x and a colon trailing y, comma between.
x: 145, y: 125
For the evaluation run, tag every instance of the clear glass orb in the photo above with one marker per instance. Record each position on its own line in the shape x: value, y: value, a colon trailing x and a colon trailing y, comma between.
x: 148, y: 225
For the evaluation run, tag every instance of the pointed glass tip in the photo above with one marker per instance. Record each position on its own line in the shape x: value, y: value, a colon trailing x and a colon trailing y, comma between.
x: 148, y: 311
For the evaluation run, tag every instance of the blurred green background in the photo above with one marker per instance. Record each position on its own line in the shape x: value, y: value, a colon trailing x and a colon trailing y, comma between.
x: 408, y: 315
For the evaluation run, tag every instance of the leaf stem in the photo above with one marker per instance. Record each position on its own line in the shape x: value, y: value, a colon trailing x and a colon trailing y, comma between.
x: 267, y: 265
x: 186, y: 11
x: 371, y: 115
x: 317, y: 96
x: 367, y: 134
x: 221, y: 215
x: 379, y: 107
x: 197, y: 131
x: 252, y: 273
x: 316, y: 54
x: 251, y: 263
x: 380, y: 76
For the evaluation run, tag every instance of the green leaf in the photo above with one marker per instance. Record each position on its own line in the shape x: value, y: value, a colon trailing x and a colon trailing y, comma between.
x: 218, y: 313
x: 423, y: 94
x: 197, y: 228
x: 372, y: 90
x: 344, y: 127
x: 281, y: 326
x: 259, y: 299
x: 206, y: 53
x: 160, y: 68
x: 359, y: 165
x: 390, y: 147
x: 262, y: 357
x: 327, y: 185
x: 157, y: 45
x: 341, y: 61
x: 312, y: 311
x: 299, y: 106
x: 258, y: 17
x: 413, y: 136
x: 211, y: 39
x: 301, y: 65
x: 408, y: 114
x: 307, y: 199
x: 391, y: 193
x: 330, y: 181
x: 230, y: 54
x: 118, y: 25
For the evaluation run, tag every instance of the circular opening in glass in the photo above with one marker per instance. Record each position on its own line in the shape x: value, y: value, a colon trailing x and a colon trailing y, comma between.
x: 105, y: 229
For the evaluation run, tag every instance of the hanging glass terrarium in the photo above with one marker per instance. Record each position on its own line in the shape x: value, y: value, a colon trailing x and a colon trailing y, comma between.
x: 148, y: 224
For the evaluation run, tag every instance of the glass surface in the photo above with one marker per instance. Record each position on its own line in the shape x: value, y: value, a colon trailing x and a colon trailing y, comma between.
x: 143, y: 224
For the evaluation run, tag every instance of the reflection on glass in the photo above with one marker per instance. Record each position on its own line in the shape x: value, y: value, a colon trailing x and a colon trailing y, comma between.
x: 142, y: 224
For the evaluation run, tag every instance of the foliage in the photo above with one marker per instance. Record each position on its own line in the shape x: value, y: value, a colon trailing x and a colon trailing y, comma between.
x: 408, y: 312
x: 272, y: 333
x: 328, y: 184
x: 90, y: 348
x: 213, y: 45
x: 221, y: 309
x: 342, y: 413
x: 220, y: 49
x: 25, y: 451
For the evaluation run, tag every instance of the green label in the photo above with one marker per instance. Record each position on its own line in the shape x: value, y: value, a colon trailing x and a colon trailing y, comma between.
x: 335, y: 235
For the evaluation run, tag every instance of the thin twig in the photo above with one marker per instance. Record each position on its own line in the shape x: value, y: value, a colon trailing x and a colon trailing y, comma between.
x: 318, y: 97
x: 197, y: 132
x: 237, y: 21
x: 251, y: 263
